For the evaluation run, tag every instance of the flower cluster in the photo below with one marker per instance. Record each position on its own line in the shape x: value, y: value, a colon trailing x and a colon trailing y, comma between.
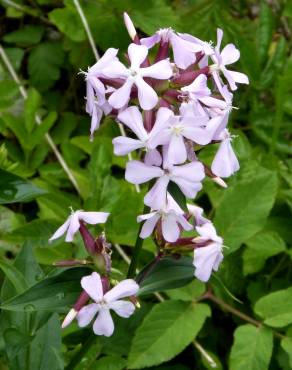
x: 174, y: 96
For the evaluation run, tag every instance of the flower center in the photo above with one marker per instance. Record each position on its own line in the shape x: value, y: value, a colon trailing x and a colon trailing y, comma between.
x: 177, y: 130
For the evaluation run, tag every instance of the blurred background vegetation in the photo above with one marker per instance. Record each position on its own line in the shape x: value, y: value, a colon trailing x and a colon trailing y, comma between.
x: 47, y: 46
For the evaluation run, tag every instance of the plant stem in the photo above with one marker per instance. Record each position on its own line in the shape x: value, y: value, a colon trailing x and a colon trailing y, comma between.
x: 83, y: 350
x: 137, y: 249
x: 238, y: 313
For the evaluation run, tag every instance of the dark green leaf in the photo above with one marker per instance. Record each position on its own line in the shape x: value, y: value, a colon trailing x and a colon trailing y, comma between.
x: 167, y: 329
x: 15, y: 189
x: 169, y: 273
x: 54, y: 293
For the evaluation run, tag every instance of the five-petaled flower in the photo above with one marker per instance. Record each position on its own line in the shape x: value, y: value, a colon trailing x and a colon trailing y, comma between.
x: 103, y: 303
x: 72, y: 224
x: 135, y: 76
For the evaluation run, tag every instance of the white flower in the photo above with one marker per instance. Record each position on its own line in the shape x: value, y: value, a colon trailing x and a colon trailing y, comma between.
x: 135, y: 76
x: 207, y: 258
x: 72, y: 224
x: 171, y: 216
x: 103, y: 324
x: 225, y: 162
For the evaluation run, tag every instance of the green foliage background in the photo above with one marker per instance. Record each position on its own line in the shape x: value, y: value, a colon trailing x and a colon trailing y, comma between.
x: 245, y: 319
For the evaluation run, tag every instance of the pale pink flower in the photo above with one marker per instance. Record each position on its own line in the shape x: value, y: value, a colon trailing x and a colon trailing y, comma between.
x: 188, y: 177
x: 96, y: 103
x: 227, y: 56
x: 183, y: 50
x: 103, y: 324
x: 207, y: 258
x: 175, y: 131
x: 132, y: 118
x: 199, y: 93
x: 225, y: 162
x: 135, y: 76
x: 171, y: 216
x: 72, y: 224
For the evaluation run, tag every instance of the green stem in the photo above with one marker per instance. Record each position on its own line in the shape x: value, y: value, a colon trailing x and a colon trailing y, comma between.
x: 80, y: 354
x: 137, y: 249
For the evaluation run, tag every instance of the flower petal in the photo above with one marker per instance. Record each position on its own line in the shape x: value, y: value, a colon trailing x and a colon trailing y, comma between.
x: 93, y: 286
x: 61, y: 230
x: 204, y: 260
x: 150, y: 41
x: 73, y: 226
x: 104, y: 61
x: 193, y: 171
x: 137, y: 55
x: 233, y: 77
x: 153, y: 158
x: 183, y: 51
x: 121, y: 96
x: 86, y: 314
x: 138, y: 173
x: 95, y: 119
x: 115, y: 69
x: 161, y: 70
x: 93, y: 218
x: 103, y: 325
x: 124, y: 145
x: 149, y: 224
x: 177, y: 152
x: 132, y: 118
x: 170, y: 229
x: 156, y: 196
x: 230, y: 54
x: 225, y: 162
x: 125, y: 288
x: 146, y: 94
x: 183, y: 222
x: 122, y: 308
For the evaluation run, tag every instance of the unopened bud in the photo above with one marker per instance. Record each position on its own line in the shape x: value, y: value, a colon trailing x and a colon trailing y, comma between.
x: 69, y: 318
x: 220, y: 181
x: 130, y: 26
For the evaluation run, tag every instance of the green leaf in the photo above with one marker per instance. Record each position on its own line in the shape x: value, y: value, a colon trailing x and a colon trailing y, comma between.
x: 165, y: 332
x: 8, y: 91
x: 286, y: 344
x: 245, y: 206
x: 149, y: 18
x: 45, y: 349
x: 109, y: 363
x: 15, y: 189
x: 190, y: 292
x: 68, y: 21
x: 44, y: 64
x: 169, y: 273
x: 252, y: 348
x: 264, y: 34
x: 14, y: 276
x: 37, y: 232
x: 32, y: 104
x: 26, y: 36
x: 259, y: 248
x: 276, y: 308
x: 54, y: 294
